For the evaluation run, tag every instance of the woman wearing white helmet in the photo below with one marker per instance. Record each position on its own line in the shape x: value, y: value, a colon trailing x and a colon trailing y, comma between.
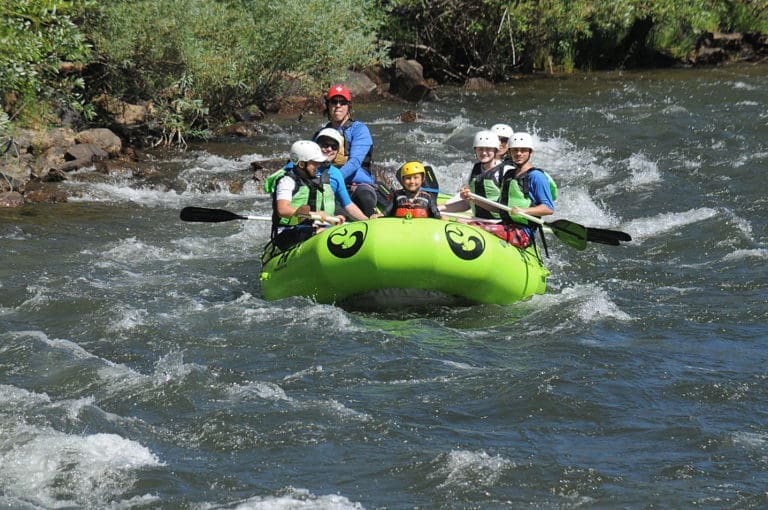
x: 505, y: 132
x: 330, y: 141
x: 298, y: 194
x: 485, y: 177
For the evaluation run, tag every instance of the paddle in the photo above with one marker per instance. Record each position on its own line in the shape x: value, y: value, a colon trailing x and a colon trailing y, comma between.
x: 463, y: 218
x: 203, y: 214
x: 430, y: 180
x: 570, y: 232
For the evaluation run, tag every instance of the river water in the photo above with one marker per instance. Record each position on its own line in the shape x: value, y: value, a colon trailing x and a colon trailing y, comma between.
x: 140, y: 368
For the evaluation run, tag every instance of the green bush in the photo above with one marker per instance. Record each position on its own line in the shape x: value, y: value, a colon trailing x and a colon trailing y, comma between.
x: 198, y: 61
x: 456, y: 39
x: 204, y: 59
x: 36, y: 37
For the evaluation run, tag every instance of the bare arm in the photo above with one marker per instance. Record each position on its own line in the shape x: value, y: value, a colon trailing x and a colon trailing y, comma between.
x: 286, y: 210
x: 458, y: 203
x: 355, y: 212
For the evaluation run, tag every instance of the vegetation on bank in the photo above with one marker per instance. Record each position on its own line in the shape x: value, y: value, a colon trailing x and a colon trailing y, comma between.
x: 197, y: 61
x: 496, y: 38
x: 37, y: 38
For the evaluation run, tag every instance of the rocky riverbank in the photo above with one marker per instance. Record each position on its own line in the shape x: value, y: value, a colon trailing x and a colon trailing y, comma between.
x: 33, y: 162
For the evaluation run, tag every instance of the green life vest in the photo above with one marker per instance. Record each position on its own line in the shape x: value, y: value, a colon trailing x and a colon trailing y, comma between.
x: 518, y: 195
x: 317, y: 193
x: 270, y: 184
x: 487, y: 184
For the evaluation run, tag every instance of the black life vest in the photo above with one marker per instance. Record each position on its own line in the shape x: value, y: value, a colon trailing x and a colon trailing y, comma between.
x: 404, y: 206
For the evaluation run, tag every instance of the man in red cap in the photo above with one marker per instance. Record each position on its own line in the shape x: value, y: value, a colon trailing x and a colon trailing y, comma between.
x: 354, y: 157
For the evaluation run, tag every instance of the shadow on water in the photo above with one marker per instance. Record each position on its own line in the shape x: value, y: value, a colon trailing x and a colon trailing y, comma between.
x: 448, y: 311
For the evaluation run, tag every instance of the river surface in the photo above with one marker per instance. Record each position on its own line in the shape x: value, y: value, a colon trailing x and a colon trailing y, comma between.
x: 140, y: 368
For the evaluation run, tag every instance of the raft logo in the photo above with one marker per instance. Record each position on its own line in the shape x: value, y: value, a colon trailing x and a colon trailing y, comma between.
x: 464, y: 242
x: 347, y: 240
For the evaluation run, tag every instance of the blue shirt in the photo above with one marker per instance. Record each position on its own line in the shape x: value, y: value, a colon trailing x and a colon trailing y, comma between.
x: 358, y: 138
x: 337, y: 184
x: 538, y: 189
x: 336, y: 181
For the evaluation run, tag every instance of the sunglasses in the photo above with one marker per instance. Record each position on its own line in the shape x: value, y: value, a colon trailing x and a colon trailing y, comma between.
x: 338, y: 102
x: 328, y: 145
x: 503, y: 140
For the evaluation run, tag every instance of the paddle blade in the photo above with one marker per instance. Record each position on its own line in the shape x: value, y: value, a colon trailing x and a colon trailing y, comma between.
x: 605, y: 236
x: 203, y: 214
x: 600, y: 239
x: 430, y: 179
x: 604, y: 233
x: 570, y: 233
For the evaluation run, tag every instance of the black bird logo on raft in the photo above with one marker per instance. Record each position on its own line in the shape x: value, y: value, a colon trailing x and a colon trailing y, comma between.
x: 347, y: 240
x: 464, y: 242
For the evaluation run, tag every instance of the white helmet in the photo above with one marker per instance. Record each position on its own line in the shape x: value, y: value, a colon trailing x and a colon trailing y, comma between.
x: 503, y: 130
x: 486, y: 138
x: 306, y: 150
x: 521, y: 141
x: 332, y: 134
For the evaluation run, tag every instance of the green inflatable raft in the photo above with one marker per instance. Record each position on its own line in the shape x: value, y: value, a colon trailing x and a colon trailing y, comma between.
x: 404, y: 257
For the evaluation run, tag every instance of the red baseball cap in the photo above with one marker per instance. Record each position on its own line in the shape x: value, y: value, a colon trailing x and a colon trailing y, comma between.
x: 339, y: 90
